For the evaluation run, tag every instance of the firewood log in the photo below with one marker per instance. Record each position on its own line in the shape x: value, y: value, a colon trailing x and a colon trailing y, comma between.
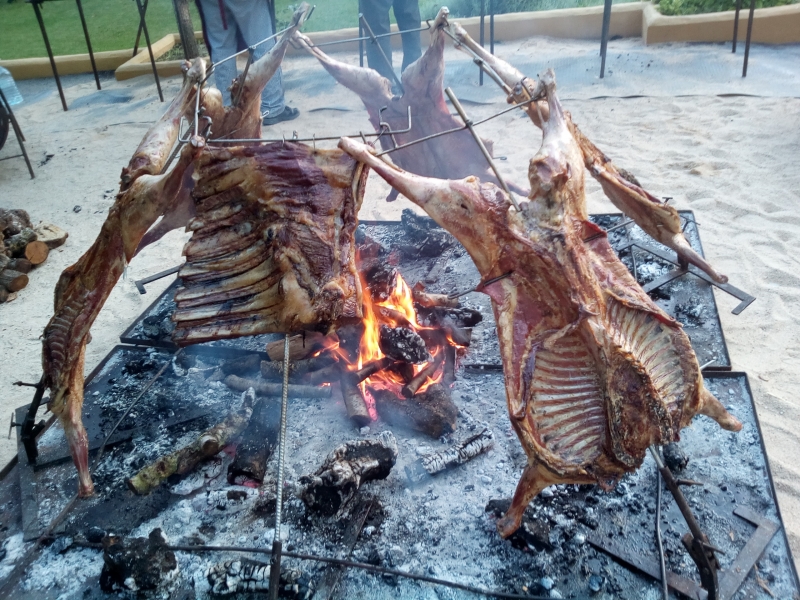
x: 354, y: 401
x: 23, y: 265
x: 15, y: 245
x: 36, y: 252
x: 4, y: 261
x: 276, y: 389
x: 13, y: 221
x: 432, y: 412
x: 13, y: 280
x: 258, y: 441
x: 412, y: 387
x: 300, y: 346
x: 4, y: 294
x: 450, y: 457
x: 208, y: 444
x: 273, y: 370
x: 51, y: 235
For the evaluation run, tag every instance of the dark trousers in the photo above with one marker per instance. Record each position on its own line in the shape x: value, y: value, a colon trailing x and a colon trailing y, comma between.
x: 406, y: 13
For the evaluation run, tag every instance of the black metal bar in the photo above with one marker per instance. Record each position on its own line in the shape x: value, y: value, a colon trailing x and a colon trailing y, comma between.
x: 749, y: 33
x: 363, y: 38
x: 250, y: 53
x: 736, y: 25
x: 374, y: 40
x: 38, y: 12
x: 139, y: 31
x: 360, y: 38
x: 140, y: 283
x: 660, y: 543
x: 491, y: 26
x: 17, y: 132
x: 604, y: 36
x: 143, y: 25
x: 88, y: 43
x: 483, y: 18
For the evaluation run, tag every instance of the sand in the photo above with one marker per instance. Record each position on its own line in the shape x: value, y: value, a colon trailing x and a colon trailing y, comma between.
x: 730, y: 159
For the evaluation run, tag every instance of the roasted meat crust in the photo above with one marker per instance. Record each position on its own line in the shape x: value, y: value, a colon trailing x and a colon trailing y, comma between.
x: 273, y: 247
x: 595, y: 371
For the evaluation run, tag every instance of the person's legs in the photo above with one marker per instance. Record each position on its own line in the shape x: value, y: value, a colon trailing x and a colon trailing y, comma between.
x: 222, y: 44
x: 406, y: 13
x: 376, y: 13
x: 252, y: 18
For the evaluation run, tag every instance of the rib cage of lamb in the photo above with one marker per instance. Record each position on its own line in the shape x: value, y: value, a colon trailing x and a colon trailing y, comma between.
x: 595, y: 371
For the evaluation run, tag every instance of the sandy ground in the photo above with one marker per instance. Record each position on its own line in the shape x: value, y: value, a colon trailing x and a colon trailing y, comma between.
x: 730, y: 159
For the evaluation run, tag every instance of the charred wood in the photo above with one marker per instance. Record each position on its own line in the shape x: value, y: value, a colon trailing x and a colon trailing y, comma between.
x: 354, y: 401
x: 13, y: 280
x: 431, y: 412
x: 403, y: 344
x: 413, y: 386
x: 51, y: 235
x: 380, y: 278
x: 247, y: 576
x: 404, y: 370
x: 276, y: 389
x: 427, y: 300
x: 16, y: 244
x: 14, y: 221
x: 326, y: 375
x: 350, y: 338
x: 22, y: 265
x: 449, y: 371
x: 257, y: 443
x: 453, y: 456
x: 460, y: 316
x: 426, y: 236
x: 375, y: 366
x: 242, y: 365
x: 398, y: 318
x: 300, y: 346
x: 534, y: 533
x: 330, y: 489
x: 273, y: 370
x: 135, y: 564
x: 208, y: 444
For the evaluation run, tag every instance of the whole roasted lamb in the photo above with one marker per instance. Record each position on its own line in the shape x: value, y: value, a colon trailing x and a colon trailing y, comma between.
x: 595, y: 371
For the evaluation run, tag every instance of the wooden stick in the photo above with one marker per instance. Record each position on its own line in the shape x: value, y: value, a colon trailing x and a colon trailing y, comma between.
x: 12, y: 280
x: 410, y: 390
x: 36, y: 252
x: 184, y: 460
x: 275, y: 389
x: 354, y: 401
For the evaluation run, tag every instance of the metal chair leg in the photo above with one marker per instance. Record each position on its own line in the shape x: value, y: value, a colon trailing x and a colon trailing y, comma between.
x: 38, y: 12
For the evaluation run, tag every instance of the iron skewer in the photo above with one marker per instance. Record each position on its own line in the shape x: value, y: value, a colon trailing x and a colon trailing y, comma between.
x: 481, y: 286
x: 374, y: 39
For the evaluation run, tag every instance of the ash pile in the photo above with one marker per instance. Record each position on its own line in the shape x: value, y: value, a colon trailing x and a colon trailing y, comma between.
x: 399, y: 456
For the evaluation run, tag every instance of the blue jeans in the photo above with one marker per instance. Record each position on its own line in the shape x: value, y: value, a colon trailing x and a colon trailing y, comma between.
x: 250, y: 18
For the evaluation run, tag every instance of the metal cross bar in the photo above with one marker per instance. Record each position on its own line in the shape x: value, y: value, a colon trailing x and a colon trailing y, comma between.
x: 604, y: 36
x: 373, y: 38
x: 248, y: 49
x: 479, y: 141
x: 362, y: 38
x: 251, y: 52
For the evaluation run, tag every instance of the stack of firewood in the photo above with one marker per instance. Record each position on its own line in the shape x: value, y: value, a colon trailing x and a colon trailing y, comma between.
x: 22, y: 248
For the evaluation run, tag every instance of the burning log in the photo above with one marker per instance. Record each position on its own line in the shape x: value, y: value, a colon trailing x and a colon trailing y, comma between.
x: 350, y: 337
x: 395, y: 316
x: 257, y: 443
x: 432, y: 412
x: 326, y: 375
x: 426, y: 237
x: 403, y: 344
x: 273, y: 370
x: 136, y: 564
x: 354, y: 401
x: 412, y: 387
x: 427, y: 300
x: 248, y: 576
x: 276, y: 389
x: 208, y: 444
x: 380, y: 278
x: 453, y: 456
x: 301, y: 345
x: 336, y: 482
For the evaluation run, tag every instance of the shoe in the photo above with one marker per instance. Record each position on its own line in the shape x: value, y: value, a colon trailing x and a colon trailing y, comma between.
x: 288, y: 114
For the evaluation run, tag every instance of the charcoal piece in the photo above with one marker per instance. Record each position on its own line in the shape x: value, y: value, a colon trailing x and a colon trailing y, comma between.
x: 244, y: 575
x: 331, y: 488
x: 401, y: 343
x: 438, y: 316
x: 135, y: 564
x: 534, y: 532
x: 381, y: 278
x: 432, y: 412
x: 350, y: 338
x: 298, y: 369
x: 453, y: 456
x: 425, y: 236
x: 95, y: 534
x: 241, y: 365
x: 258, y: 442
x: 675, y: 458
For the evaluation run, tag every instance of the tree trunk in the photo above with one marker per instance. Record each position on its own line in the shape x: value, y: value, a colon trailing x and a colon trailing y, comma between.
x: 186, y: 29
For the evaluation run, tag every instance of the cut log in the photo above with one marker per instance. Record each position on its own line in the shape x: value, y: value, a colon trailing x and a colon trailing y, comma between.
x: 241, y: 365
x: 208, y: 444
x: 273, y: 370
x: 257, y: 443
x: 23, y: 265
x: 413, y: 386
x: 431, y: 412
x: 4, y: 295
x: 300, y: 346
x: 453, y: 456
x: 276, y: 389
x: 51, y: 235
x: 13, y: 280
x: 36, y: 252
x: 354, y: 401
x: 331, y: 488
x: 4, y: 262
x: 326, y: 375
x: 16, y: 244
x: 375, y: 366
x: 403, y: 344
x: 13, y: 221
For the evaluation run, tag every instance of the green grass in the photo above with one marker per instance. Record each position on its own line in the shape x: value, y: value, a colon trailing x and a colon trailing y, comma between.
x: 113, y: 24
x: 694, y: 7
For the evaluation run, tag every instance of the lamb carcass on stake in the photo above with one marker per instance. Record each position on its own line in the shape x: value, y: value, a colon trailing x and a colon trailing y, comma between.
x: 452, y: 157
x: 595, y: 371
x: 659, y: 220
x: 146, y: 193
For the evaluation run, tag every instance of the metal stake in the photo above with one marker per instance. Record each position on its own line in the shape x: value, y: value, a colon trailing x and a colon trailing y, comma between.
x: 250, y: 53
x: 275, y: 563
x: 38, y: 12
x: 360, y: 36
x: 385, y: 58
x: 88, y: 43
x: 483, y: 17
x: 139, y: 32
x: 749, y: 33
x: 659, y: 541
x: 491, y: 26
x: 736, y: 25
x: 479, y: 141
x: 18, y: 132
x: 604, y: 36
x: 143, y: 25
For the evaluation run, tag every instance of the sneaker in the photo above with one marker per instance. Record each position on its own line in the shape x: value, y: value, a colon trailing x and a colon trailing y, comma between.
x: 288, y: 114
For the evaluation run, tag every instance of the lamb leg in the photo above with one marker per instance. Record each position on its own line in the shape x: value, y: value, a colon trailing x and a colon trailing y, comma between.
x: 658, y: 220
x: 83, y: 288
